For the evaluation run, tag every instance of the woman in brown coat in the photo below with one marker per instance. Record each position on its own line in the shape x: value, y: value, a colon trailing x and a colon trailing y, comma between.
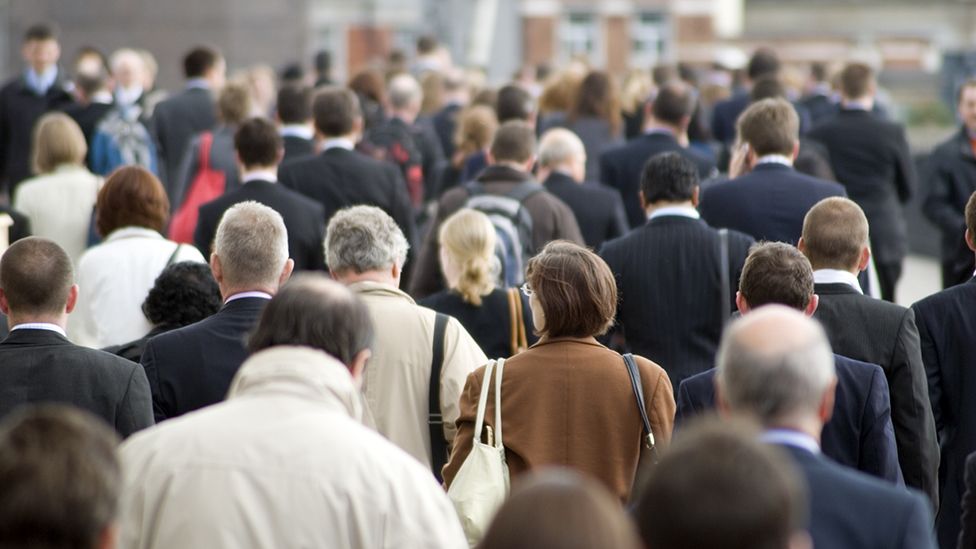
x: 568, y: 400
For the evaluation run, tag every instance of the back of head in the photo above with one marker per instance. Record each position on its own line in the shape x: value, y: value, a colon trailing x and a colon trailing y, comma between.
x: 61, y: 479
x: 323, y: 62
x: 756, y: 498
x: 597, y: 97
x: 818, y: 71
x: 835, y: 231
x: 199, y: 61
x: 335, y: 110
x: 764, y: 62
x: 426, y: 45
x: 57, y: 140
x: 770, y: 126
x: 252, y: 244
x: 257, y: 143
x: 669, y: 177
x: 476, y: 129
x: 131, y: 197
x: 404, y: 92
x: 558, y: 147
x: 514, y: 142
x: 294, y: 104
x: 776, y: 272
x: 36, y: 277
x: 184, y: 293
x: 775, y: 365
x: 313, y: 311
x: 468, y: 238
x: 767, y: 87
x: 560, y: 508
x: 514, y: 103
x: 361, y: 239
x: 857, y: 81
x: 369, y: 83
x: 233, y: 103
x: 674, y: 103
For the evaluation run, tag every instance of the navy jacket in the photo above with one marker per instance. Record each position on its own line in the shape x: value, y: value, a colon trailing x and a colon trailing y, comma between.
x: 175, y: 121
x: 859, y: 433
x: 598, y: 209
x: 950, y: 178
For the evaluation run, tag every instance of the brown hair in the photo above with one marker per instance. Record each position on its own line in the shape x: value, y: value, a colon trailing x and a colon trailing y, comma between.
x: 835, y: 231
x: 560, y: 508
x: 776, y: 272
x: 597, y: 97
x: 514, y: 142
x: 476, y: 129
x: 369, y: 83
x: 131, y: 197
x: 36, y: 276
x: 856, y: 80
x: 770, y: 126
x: 57, y: 140
x: 558, y: 92
x: 234, y: 103
x: 257, y: 143
x: 576, y: 289
x: 335, y: 111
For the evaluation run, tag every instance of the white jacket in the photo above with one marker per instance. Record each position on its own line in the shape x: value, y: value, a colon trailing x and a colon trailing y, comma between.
x: 283, y: 463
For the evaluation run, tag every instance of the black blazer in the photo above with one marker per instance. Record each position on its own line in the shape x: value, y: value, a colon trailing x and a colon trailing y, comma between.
x: 950, y: 177
x: 768, y: 203
x: 885, y: 334
x: 947, y: 330
x: 598, y: 209
x: 668, y: 282
x: 851, y: 510
x: 621, y: 168
x: 303, y: 219
x: 175, y: 121
x: 967, y: 537
x: 192, y: 367
x: 725, y: 113
x: 859, y: 433
x: 444, y: 123
x: 489, y: 324
x: 296, y: 147
x: 43, y: 366
x: 870, y: 157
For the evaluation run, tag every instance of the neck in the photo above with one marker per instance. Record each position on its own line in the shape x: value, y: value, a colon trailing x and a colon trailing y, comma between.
x: 808, y: 425
x: 378, y: 276
x: 510, y: 164
x: 250, y: 170
x: 407, y: 117
x: 41, y: 69
x: 853, y: 270
x: 228, y: 291
x: 651, y: 208
x: 655, y: 125
x: 15, y: 319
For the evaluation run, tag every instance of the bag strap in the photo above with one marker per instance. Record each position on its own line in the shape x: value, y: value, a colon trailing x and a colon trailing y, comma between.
x: 635, y: 383
x: 499, y: 368
x: 435, y: 420
x: 479, y: 419
x: 723, y: 265
x: 172, y: 256
x: 206, y: 142
x: 524, y: 190
x: 474, y: 188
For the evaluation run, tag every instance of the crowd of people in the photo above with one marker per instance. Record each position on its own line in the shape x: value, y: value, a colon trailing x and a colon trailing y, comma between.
x: 417, y: 310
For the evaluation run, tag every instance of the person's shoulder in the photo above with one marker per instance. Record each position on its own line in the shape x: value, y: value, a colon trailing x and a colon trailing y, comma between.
x: 842, y: 362
x: 960, y: 293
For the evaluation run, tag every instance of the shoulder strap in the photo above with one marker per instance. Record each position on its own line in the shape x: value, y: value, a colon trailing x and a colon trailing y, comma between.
x: 474, y: 188
x: 723, y: 266
x: 172, y: 257
x: 206, y: 142
x: 435, y: 421
x: 635, y: 383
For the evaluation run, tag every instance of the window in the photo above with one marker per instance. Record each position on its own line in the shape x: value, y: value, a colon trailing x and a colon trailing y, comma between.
x: 650, y: 34
x: 578, y: 36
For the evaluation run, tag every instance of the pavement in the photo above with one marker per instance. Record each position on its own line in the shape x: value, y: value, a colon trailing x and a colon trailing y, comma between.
x: 921, y: 277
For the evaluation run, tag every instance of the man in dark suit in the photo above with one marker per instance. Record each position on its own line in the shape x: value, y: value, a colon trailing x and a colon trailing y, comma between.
x: 859, y: 433
x: 39, y: 364
x: 764, y: 62
x: 669, y: 273
x: 818, y: 99
x: 562, y: 169
x: 258, y: 149
x: 338, y: 176
x: 23, y: 100
x: 667, y: 117
x: 187, y: 113
x: 951, y: 179
x: 294, y: 112
x: 192, y: 367
x: 767, y: 199
x: 947, y: 330
x: 775, y: 365
x: 835, y: 240
x: 870, y: 157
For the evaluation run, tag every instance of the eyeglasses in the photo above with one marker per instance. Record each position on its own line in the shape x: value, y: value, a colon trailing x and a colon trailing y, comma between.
x: 528, y: 292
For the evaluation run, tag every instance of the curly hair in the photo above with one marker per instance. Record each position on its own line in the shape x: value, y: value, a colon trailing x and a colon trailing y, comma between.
x: 183, y: 293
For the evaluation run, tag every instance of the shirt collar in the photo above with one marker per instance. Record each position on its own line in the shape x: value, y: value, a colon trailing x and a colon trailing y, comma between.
x: 243, y: 295
x: 259, y: 175
x: 659, y: 130
x: 297, y: 130
x: 40, y: 326
x: 42, y: 82
x: 836, y: 276
x: 132, y: 232
x: 789, y: 437
x: 853, y: 105
x: 338, y: 143
x: 200, y: 83
x: 681, y: 211
x: 775, y: 159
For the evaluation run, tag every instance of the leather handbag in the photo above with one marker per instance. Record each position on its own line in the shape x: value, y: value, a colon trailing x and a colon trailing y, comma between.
x: 518, y: 339
x: 482, y: 482
x: 648, y: 455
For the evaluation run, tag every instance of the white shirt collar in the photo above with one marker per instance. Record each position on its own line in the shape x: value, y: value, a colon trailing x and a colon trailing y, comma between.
x: 198, y: 83
x: 40, y: 326
x: 775, y: 159
x: 836, y: 276
x: 242, y: 295
x: 681, y: 211
x: 659, y: 130
x: 297, y: 130
x: 788, y: 437
x: 853, y: 105
x: 262, y: 175
x: 338, y: 143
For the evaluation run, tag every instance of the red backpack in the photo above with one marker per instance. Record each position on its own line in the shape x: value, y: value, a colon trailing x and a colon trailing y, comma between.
x: 207, y: 185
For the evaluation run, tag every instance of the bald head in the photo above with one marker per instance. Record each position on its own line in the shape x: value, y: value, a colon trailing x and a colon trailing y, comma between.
x: 775, y: 364
x: 35, y: 278
x: 835, y: 234
x: 560, y: 149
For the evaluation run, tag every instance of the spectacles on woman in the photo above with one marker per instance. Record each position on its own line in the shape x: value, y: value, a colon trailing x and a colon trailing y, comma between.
x: 526, y: 290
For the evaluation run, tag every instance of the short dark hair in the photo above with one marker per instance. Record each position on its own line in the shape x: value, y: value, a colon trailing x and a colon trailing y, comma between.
x: 670, y: 177
x: 971, y: 215
x: 776, y: 272
x: 818, y: 71
x: 36, y: 276
x: 131, y: 197
x: 294, y: 104
x: 514, y: 142
x: 757, y: 499
x: 257, y: 142
x: 767, y: 87
x: 426, y: 44
x: 184, y: 293
x: 335, y: 110
x: 40, y: 32
x: 199, y: 60
x: 763, y: 62
x: 322, y: 61
x: 575, y: 288
x: 514, y: 103
x: 856, y: 80
x: 770, y: 126
x: 61, y: 478
x: 674, y: 102
x: 313, y: 311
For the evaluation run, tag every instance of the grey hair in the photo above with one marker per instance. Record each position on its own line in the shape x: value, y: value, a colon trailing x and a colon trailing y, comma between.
x: 775, y: 363
x: 404, y: 91
x: 558, y: 146
x: 252, y: 244
x: 362, y: 239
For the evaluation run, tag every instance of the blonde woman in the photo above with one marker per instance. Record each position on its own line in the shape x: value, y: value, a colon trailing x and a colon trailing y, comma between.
x: 59, y: 200
x: 467, y: 255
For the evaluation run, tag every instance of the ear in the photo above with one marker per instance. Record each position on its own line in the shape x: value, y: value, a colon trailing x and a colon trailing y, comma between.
x: 4, y: 305
x: 358, y: 365
x: 685, y: 122
x: 529, y: 164
x: 280, y: 155
x: 800, y: 540
x: 796, y: 150
x: 489, y: 158
x: 216, y: 269
x: 802, y: 246
x: 970, y: 240
x: 722, y: 405
x: 827, y: 402
x: 396, y: 271
x: 109, y: 537
x: 643, y: 201
x: 865, y: 259
x: 812, y: 306
x: 740, y: 303
x: 72, y: 299
x: 286, y: 272
x: 695, y: 194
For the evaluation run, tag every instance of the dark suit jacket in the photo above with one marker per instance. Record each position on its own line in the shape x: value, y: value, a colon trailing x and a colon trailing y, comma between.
x: 621, y: 168
x: 303, y: 219
x: 967, y: 537
x: 858, y: 435
x: 768, y: 203
x: 598, y: 209
x: 725, y: 113
x: 851, y: 510
x: 951, y: 179
x: 947, y: 329
x: 296, y: 147
x: 21, y: 227
x: 870, y: 157
x: 88, y: 116
x: 175, y: 121
x: 444, y: 123
x: 43, y: 366
x: 192, y: 367
x: 668, y: 281
x: 820, y: 107
x: 885, y: 334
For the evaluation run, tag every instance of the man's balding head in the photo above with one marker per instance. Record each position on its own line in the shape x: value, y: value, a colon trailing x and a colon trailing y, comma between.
x: 36, y: 279
x: 835, y: 235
